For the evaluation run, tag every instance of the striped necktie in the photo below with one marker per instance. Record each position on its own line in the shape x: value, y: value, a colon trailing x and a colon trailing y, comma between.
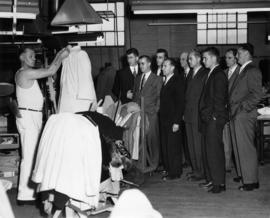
x: 142, y: 82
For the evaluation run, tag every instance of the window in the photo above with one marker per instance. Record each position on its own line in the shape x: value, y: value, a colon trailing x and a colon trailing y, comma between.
x: 221, y: 28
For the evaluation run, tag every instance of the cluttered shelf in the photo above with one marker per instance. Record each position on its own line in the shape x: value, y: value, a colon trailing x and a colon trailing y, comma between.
x: 9, y: 141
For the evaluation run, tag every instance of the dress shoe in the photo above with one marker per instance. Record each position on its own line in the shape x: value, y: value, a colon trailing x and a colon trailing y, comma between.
x: 217, y: 189
x: 237, y: 179
x: 194, y: 178
x: 185, y: 165
x: 205, y: 184
x: 168, y: 177
x: 188, y: 174
x: 249, y: 187
x: 164, y: 172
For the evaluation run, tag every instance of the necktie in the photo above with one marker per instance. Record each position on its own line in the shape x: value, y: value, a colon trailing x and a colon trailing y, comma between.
x: 142, y: 82
x: 192, y: 73
x: 230, y: 73
x: 161, y: 73
x: 134, y: 72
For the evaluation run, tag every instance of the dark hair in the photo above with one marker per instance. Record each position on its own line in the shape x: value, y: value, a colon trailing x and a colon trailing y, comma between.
x: 172, y: 61
x: 213, y: 51
x: 132, y: 51
x: 233, y: 50
x: 248, y: 47
x: 148, y: 59
x: 164, y: 51
x: 196, y: 53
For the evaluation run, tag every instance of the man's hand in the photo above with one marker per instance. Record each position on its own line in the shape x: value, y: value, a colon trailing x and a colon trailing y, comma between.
x: 93, y: 106
x: 129, y: 94
x: 65, y: 52
x: 175, y: 127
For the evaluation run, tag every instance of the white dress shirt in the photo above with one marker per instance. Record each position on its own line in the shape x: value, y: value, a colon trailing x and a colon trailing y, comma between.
x: 243, y: 66
x: 132, y: 68
x: 77, y: 90
x: 158, y: 71
x: 211, y: 71
x: 145, y: 76
x: 168, y: 78
x: 195, y: 71
x: 231, y: 70
x: 187, y: 71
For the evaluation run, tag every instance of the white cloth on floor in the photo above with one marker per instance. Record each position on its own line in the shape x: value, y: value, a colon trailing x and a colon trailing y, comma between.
x: 29, y: 127
x: 77, y: 90
x: 5, y: 207
x: 264, y: 111
x: 134, y: 204
x: 69, y: 158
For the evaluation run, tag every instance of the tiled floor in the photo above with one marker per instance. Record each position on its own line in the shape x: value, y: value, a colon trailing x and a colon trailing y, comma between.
x: 180, y: 198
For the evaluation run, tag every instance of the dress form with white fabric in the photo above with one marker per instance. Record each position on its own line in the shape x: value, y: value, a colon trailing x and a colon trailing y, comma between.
x: 77, y: 91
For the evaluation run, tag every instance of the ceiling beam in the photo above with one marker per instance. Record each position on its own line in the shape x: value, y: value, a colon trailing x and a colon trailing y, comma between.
x: 191, y: 6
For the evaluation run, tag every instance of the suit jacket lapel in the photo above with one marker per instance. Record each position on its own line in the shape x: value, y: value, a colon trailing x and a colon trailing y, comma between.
x: 239, y: 77
x: 233, y: 77
x: 198, y: 73
x: 170, y: 81
x: 148, y: 81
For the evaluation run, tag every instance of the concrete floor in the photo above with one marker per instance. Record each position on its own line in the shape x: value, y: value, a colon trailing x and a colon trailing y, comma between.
x: 180, y: 198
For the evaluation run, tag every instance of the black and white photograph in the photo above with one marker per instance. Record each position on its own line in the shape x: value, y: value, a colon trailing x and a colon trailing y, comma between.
x: 135, y: 108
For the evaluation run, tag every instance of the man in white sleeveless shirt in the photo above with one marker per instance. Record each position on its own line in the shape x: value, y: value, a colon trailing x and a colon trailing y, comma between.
x: 29, y: 123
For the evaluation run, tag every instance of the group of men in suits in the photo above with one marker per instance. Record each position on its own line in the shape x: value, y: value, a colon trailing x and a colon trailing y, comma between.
x: 161, y: 93
x: 218, y: 108
x: 220, y: 117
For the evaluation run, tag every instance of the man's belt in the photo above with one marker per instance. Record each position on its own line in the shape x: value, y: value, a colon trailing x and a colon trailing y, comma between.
x: 29, y: 109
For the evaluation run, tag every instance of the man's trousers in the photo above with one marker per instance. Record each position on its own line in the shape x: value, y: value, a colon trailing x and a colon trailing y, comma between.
x: 213, y: 152
x: 194, y: 140
x: 29, y: 127
x: 227, y: 147
x: 171, y: 148
x: 243, y: 128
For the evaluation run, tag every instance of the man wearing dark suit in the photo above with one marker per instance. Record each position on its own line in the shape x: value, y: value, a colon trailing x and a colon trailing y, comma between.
x: 194, y: 86
x: 171, y: 111
x: 184, y: 72
x: 148, y: 86
x: 105, y: 81
x: 245, y: 94
x: 124, y: 79
x: 213, y: 116
x: 161, y: 56
x: 184, y: 63
x: 231, y: 73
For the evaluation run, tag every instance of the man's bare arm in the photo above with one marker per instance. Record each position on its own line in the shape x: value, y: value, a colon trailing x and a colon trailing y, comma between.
x: 33, y: 74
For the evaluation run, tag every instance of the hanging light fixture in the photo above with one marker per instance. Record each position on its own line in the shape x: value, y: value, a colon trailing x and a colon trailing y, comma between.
x: 74, y: 12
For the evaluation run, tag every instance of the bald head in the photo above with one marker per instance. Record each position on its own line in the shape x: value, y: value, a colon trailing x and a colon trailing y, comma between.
x: 184, y: 59
x: 28, y: 58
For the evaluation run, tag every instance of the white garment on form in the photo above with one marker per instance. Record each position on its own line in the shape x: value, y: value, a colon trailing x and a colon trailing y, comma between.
x: 77, y: 90
x: 69, y: 158
x: 136, y: 140
x: 5, y: 207
x: 29, y: 127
